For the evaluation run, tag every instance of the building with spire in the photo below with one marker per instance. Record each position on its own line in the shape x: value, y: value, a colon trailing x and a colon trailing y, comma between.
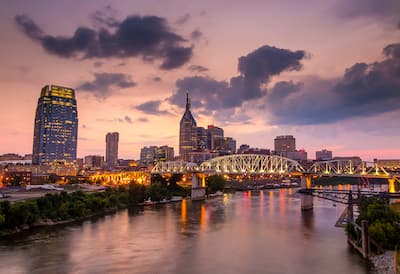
x: 187, y: 133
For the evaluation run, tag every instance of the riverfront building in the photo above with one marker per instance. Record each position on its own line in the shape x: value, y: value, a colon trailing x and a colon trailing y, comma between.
x: 187, y: 133
x: 56, y: 126
x: 112, y: 139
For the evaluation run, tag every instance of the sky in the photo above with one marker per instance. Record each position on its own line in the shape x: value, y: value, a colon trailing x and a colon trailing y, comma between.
x: 327, y: 72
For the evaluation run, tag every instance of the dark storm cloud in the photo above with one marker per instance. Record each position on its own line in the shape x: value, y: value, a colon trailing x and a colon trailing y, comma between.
x: 29, y: 27
x: 104, y: 84
x: 364, y: 90
x: 259, y: 65
x: 386, y: 10
x: 256, y: 69
x: 198, y: 68
x: 148, y: 37
x: 151, y: 107
x: 183, y: 19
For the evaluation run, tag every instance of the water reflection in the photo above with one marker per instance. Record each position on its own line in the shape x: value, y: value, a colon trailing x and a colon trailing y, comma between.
x: 259, y: 232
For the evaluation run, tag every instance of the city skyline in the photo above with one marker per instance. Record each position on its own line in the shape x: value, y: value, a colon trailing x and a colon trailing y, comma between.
x: 258, y: 77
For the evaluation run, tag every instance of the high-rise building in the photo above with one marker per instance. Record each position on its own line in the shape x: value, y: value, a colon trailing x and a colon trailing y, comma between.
x: 187, y: 132
x: 202, y: 138
x: 229, y: 145
x: 323, y: 155
x: 215, y: 137
x: 112, y: 139
x: 284, y: 144
x: 56, y: 125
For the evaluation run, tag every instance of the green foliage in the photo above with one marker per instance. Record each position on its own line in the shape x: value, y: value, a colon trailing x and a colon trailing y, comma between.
x: 215, y: 183
x: 136, y: 193
x: 383, y: 221
x: 175, y: 178
x: 157, y: 178
x: 157, y: 192
x: 78, y: 205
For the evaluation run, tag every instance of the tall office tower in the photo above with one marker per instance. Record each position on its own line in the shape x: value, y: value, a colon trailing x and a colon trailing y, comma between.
x: 187, y: 132
x: 56, y: 126
x: 284, y: 144
x: 202, y: 138
x: 215, y: 137
x: 112, y: 139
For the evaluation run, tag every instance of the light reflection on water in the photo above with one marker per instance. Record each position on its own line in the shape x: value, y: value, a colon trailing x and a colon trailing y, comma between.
x: 245, y: 232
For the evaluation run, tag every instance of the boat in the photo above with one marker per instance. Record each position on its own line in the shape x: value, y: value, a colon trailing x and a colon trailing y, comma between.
x: 149, y: 202
x: 176, y: 199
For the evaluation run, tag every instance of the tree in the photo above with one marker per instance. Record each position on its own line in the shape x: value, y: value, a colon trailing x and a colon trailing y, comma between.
x: 136, y: 193
x: 215, y: 183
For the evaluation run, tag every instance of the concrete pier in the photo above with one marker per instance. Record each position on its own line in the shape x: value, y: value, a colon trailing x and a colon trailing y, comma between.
x: 307, y: 201
x: 198, y: 190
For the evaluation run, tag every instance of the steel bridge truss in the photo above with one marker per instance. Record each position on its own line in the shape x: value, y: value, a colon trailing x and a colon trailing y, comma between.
x: 174, y: 167
x: 251, y: 164
x: 349, y: 169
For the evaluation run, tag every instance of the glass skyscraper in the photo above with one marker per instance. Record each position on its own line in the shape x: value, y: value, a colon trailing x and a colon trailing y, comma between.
x: 187, y: 132
x: 56, y: 125
x: 112, y: 139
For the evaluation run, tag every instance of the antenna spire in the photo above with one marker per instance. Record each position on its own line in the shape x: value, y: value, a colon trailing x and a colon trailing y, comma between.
x: 187, y: 100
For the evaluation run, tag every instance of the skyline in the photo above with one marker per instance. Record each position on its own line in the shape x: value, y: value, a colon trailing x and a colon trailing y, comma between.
x: 329, y: 84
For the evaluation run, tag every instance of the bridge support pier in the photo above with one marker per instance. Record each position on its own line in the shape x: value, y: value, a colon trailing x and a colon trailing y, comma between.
x: 198, y: 187
x: 307, y: 201
x: 392, y: 188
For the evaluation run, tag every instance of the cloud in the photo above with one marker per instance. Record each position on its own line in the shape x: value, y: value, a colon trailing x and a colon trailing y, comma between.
x: 97, y: 64
x: 198, y: 68
x: 29, y: 27
x: 196, y: 34
x: 143, y: 120
x: 364, y: 90
x: 104, y: 84
x: 128, y: 119
x: 183, y: 19
x: 148, y: 37
x: 105, y: 17
x: 152, y: 107
x: 255, y: 69
x: 382, y: 10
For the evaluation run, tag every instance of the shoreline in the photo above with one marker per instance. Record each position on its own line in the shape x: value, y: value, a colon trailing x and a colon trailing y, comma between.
x: 383, y: 263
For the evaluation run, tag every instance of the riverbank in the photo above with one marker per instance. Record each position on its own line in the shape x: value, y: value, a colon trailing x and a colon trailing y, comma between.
x: 384, y: 263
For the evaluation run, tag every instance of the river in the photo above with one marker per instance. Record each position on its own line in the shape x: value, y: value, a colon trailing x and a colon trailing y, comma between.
x: 243, y: 232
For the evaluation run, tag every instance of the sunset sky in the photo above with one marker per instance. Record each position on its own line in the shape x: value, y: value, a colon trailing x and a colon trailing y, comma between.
x: 327, y: 72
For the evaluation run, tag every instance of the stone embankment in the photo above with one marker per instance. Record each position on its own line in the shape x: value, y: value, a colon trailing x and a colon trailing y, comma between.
x: 384, y: 263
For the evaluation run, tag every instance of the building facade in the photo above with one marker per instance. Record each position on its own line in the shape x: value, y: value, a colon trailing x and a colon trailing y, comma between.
x: 215, y: 137
x: 284, y: 143
x: 56, y: 126
x: 94, y: 161
x: 152, y: 154
x: 323, y: 155
x: 112, y: 139
x: 187, y: 133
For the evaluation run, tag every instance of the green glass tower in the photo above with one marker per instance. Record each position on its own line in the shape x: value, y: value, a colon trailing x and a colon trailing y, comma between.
x: 56, y: 126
